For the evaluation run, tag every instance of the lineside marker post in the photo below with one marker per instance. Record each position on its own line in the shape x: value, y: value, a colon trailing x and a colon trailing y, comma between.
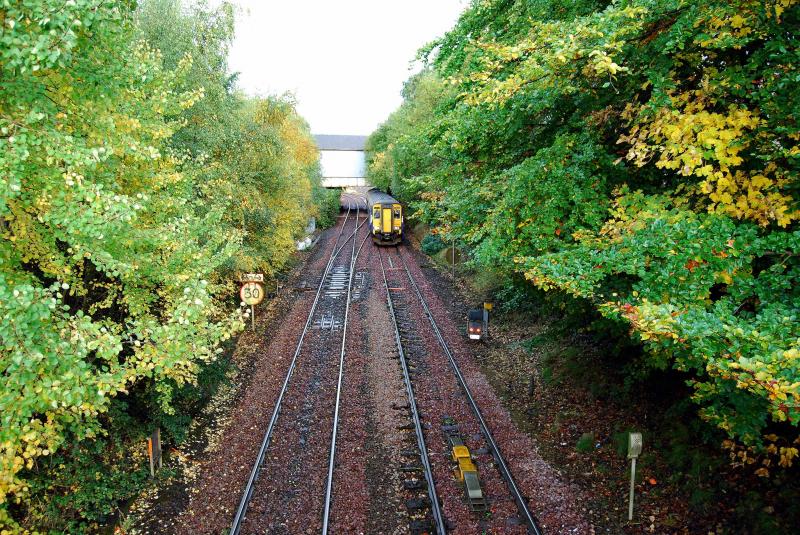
x: 454, y: 270
x: 154, y: 451
x: 486, y: 308
x: 634, y: 450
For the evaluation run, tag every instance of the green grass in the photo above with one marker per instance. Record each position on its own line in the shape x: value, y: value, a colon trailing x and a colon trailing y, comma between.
x: 585, y: 444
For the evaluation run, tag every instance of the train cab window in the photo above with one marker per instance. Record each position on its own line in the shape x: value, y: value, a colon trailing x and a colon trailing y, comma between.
x: 377, y: 213
x: 397, y: 213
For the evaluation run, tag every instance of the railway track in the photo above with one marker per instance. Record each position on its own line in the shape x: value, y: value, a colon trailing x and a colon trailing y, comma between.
x: 402, y: 290
x: 332, y: 455
x: 304, y: 398
x: 435, y: 507
x: 304, y: 426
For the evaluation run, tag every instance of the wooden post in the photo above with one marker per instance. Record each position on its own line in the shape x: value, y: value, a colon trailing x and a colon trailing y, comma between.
x: 630, y: 496
x: 253, y: 316
x: 158, y: 447
x: 154, y: 451
x: 150, y: 456
x: 454, y: 270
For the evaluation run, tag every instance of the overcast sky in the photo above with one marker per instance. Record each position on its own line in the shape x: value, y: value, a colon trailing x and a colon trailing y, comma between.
x: 345, y: 60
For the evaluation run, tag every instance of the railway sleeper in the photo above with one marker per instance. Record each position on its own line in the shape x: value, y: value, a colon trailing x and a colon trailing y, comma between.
x: 416, y: 504
x: 420, y: 527
x: 451, y: 431
x: 413, y: 484
x: 410, y: 468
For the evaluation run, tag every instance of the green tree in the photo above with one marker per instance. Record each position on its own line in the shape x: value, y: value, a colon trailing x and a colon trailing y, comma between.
x: 132, y: 187
x: 642, y: 156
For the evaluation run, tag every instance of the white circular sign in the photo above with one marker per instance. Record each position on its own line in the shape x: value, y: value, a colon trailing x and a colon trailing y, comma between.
x: 252, y: 293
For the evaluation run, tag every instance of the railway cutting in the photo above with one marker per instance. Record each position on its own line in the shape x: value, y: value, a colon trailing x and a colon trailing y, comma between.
x: 294, y: 479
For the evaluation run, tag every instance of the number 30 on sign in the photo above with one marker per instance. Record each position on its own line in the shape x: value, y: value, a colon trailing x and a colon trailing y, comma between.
x: 252, y: 293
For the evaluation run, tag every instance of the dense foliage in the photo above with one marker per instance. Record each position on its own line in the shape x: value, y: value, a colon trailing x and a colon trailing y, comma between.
x: 134, y: 184
x: 640, y: 155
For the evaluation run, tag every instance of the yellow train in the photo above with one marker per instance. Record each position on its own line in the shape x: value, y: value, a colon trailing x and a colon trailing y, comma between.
x: 387, y: 224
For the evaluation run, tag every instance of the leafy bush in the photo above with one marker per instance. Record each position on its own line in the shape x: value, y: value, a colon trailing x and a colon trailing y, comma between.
x: 329, y: 204
x: 81, y: 486
x: 432, y: 244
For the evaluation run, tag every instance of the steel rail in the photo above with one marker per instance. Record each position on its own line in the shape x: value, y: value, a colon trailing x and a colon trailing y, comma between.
x: 336, y: 254
x: 238, y: 519
x: 527, y: 517
x: 412, y: 403
x: 331, y: 457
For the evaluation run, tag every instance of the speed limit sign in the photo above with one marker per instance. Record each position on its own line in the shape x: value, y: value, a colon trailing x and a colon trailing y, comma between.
x: 252, y: 293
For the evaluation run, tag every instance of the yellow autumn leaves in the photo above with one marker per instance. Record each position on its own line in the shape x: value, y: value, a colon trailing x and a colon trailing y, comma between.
x: 740, y: 22
x: 692, y: 140
x: 777, y: 451
x: 695, y: 135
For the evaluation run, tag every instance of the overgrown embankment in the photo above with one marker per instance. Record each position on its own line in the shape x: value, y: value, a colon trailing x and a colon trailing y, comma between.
x: 637, y: 162
x: 135, y: 183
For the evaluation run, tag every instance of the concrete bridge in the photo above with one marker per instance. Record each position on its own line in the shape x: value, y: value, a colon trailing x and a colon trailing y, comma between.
x: 342, y: 160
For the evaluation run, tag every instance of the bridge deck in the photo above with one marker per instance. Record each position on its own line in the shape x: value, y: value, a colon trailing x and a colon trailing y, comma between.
x: 342, y: 159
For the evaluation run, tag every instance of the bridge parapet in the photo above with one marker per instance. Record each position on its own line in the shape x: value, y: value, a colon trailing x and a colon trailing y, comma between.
x: 342, y: 160
x: 344, y: 182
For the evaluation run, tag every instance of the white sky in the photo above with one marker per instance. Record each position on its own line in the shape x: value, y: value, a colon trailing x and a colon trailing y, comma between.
x: 345, y: 60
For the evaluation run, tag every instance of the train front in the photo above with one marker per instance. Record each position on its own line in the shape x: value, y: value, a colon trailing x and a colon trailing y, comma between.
x: 387, y: 221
